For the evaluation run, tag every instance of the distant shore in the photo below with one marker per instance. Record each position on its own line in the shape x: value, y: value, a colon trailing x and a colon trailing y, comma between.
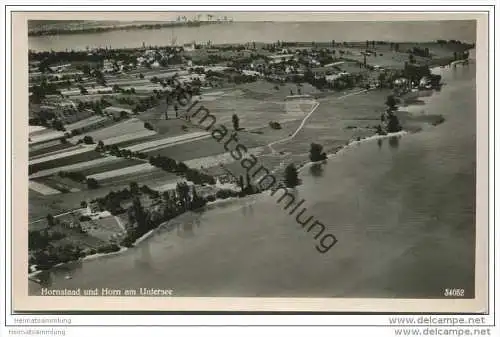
x: 102, y: 29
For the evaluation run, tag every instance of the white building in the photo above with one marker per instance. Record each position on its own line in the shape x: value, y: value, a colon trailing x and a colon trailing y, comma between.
x: 273, y: 59
x: 188, y: 47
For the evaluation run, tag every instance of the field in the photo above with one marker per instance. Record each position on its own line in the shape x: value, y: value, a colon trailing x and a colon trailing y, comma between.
x: 110, y: 166
x: 46, y: 136
x: 105, y: 229
x: 166, y: 142
x: 64, y: 185
x: 129, y: 126
x: 145, y: 167
x: 57, y: 146
x: 75, y: 167
x: 67, y: 159
x: 85, y: 122
x: 42, y: 189
x: 127, y: 137
x: 223, y: 158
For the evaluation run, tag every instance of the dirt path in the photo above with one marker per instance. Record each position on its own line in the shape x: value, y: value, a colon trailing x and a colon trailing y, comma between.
x: 270, y: 145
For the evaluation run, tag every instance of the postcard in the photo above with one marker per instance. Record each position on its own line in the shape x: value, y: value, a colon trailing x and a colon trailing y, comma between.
x: 250, y: 161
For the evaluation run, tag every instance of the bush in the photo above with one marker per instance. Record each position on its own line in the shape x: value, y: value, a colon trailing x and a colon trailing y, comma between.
x: 92, y: 183
x: 128, y: 241
x: 275, y: 125
x: 224, y: 194
x: 291, y: 176
x: 316, y: 153
x: 108, y: 248
x: 88, y: 140
x: 393, y: 123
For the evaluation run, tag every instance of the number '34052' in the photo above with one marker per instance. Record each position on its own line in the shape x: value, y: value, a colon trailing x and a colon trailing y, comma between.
x: 454, y: 292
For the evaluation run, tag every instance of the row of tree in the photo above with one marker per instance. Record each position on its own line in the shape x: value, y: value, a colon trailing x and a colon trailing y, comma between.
x: 173, y: 166
x: 173, y: 203
x: 114, y: 150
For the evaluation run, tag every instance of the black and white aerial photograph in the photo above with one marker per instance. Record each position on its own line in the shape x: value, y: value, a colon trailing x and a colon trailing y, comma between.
x: 230, y: 154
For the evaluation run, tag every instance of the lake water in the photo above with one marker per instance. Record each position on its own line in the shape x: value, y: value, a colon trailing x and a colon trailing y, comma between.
x: 403, y: 212
x: 243, y: 32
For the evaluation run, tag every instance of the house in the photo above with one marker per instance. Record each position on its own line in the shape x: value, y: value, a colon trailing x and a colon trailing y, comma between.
x: 60, y: 68
x: 274, y: 59
x: 333, y: 77
x: 323, y: 71
x: 259, y: 62
x: 107, y: 66
x: 251, y: 73
x: 189, y: 47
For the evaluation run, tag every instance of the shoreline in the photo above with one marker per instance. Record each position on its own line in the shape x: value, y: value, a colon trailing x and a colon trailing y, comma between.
x: 346, y: 147
x: 103, y: 29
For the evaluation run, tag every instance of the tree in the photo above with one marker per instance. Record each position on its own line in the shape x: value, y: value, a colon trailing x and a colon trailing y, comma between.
x: 391, y: 102
x: 291, y: 176
x: 393, y: 122
x: 58, y: 125
x: 182, y: 189
x: 380, y: 130
x: 236, y: 122
x: 316, y: 152
x: 139, y: 214
x: 83, y: 204
x: 92, y: 183
x: 88, y: 140
x: 100, y: 146
x: 241, y: 183
x: 51, y: 221
x: 134, y: 188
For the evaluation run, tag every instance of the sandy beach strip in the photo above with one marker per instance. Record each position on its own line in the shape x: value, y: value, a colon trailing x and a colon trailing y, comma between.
x: 61, y: 155
x: 123, y: 171
x: 42, y: 189
x: 166, y: 141
x: 75, y: 167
